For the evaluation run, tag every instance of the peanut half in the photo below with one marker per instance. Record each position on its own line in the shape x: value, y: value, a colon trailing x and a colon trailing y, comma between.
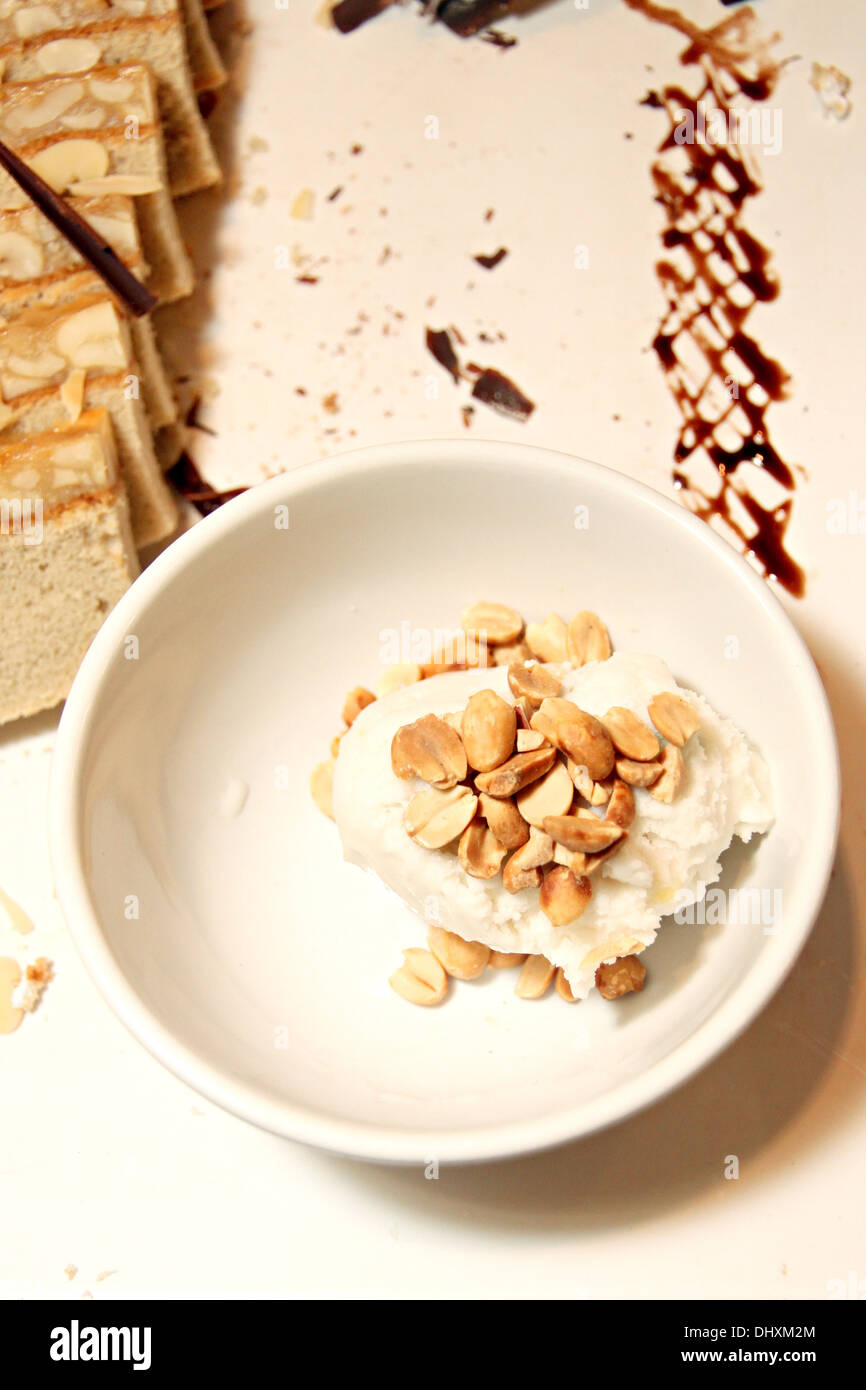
x: 506, y: 960
x: 356, y: 700
x: 630, y: 736
x: 551, y: 795
x: 667, y: 786
x: 675, y: 719
x: 420, y: 979
x: 495, y: 622
x: 564, y: 895
x: 620, y: 808
x: 535, y: 977
x: 489, y: 730
x: 586, y: 833
x: 533, y: 683
x: 587, y: 639
x: 321, y: 786
x: 517, y: 773
x: 462, y: 960
x: 580, y: 735
x: 431, y: 750
x: 615, y: 978
x: 504, y: 820
x: 548, y: 640
x: 638, y: 774
x: 563, y: 988
x: 434, y: 819
x: 479, y: 851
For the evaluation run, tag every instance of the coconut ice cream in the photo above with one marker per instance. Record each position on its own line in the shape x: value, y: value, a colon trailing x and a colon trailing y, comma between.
x: 669, y: 855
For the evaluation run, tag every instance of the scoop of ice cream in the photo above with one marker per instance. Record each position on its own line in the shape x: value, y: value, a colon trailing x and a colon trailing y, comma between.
x: 669, y: 859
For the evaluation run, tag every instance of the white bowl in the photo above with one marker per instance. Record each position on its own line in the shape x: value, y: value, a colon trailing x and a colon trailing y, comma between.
x: 256, y: 967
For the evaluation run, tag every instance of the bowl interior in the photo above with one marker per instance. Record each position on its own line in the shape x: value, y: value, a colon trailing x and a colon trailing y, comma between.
x: 241, y: 948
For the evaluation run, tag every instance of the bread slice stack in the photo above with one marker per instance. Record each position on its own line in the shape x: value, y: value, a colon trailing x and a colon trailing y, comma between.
x: 101, y: 99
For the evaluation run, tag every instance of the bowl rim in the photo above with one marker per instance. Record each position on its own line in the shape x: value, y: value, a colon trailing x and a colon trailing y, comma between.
x: 356, y: 1138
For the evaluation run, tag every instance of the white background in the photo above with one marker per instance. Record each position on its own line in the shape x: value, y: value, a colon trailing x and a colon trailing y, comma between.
x: 110, y: 1164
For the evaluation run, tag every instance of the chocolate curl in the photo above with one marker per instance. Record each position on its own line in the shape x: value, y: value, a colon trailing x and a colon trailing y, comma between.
x: 351, y: 14
x: 79, y: 233
x: 469, y: 17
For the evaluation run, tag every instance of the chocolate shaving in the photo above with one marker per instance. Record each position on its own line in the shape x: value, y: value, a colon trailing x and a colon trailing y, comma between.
x: 79, y: 233
x: 439, y: 343
x: 501, y: 394
x: 349, y: 15
x: 491, y: 262
x: 190, y: 484
x: 469, y: 17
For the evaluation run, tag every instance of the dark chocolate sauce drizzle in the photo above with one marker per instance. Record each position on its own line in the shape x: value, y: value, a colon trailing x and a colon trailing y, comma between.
x: 720, y: 377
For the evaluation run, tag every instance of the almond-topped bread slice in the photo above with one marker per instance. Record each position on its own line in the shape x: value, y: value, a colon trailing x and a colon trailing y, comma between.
x: 153, y: 508
x: 206, y: 66
x: 88, y: 34
x: 74, y: 134
x: 18, y: 305
x: 66, y: 556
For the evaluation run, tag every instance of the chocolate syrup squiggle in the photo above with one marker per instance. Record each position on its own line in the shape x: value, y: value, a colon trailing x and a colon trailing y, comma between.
x: 720, y: 377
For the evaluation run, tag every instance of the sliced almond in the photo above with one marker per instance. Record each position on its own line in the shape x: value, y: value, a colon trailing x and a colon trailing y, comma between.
x: 551, y: 795
x: 489, y: 730
x: 620, y: 808
x: 537, y: 852
x: 563, y: 988
x: 504, y: 820
x: 357, y: 699
x: 615, y: 978
x: 630, y: 735
x: 68, y: 55
x: 587, y: 833
x: 511, y: 777
x: 580, y: 735
x: 21, y: 258
x: 587, y: 639
x: 535, y: 977
x: 462, y: 960
x: 564, y: 895
x: 528, y: 740
x: 434, y: 819
x: 638, y: 774
x: 666, y: 787
x: 431, y: 750
x: 397, y: 678
x: 116, y: 186
x: 495, y: 622
x: 532, y: 682
x: 479, y: 851
x: 506, y: 960
x: 675, y: 719
x: 68, y: 161
x: 72, y: 392
x: 515, y: 879
x: 547, y: 641
x: 321, y: 785
x: 420, y: 979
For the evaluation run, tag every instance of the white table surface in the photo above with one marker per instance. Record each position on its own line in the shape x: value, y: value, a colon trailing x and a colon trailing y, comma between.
x: 111, y: 1165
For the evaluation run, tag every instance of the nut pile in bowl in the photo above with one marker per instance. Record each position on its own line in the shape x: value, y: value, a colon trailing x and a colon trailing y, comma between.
x: 541, y: 810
